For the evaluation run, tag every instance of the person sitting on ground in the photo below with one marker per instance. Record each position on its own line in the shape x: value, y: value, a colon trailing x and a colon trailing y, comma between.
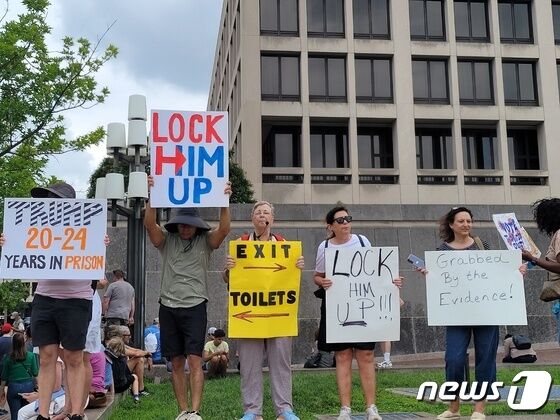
x: 216, y: 354
x: 136, y: 357
x: 123, y: 379
x: 58, y: 398
x: 97, y: 391
x: 513, y: 354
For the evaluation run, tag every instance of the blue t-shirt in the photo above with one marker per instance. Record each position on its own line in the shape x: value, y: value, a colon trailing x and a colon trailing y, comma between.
x: 156, y: 354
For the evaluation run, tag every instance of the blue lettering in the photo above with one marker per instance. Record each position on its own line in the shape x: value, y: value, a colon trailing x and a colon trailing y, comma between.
x: 217, y: 156
x: 201, y: 186
x: 171, y: 191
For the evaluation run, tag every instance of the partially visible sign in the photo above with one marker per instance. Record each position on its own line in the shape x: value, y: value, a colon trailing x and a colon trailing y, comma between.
x: 54, y: 239
x: 189, y: 159
x: 264, y: 289
x: 475, y: 288
x: 362, y: 305
x: 513, y: 234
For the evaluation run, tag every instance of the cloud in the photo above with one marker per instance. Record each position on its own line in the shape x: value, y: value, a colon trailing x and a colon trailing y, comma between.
x: 169, y: 40
x: 166, y: 53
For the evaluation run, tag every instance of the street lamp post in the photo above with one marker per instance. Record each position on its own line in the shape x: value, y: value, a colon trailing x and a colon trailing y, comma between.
x: 111, y: 187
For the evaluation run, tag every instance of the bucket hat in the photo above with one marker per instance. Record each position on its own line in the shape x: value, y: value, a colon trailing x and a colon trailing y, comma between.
x: 186, y: 216
x: 59, y: 189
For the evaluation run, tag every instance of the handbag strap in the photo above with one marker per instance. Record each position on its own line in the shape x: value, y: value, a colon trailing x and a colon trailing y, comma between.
x: 27, y: 370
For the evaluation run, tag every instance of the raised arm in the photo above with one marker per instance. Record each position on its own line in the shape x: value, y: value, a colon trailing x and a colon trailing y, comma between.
x: 150, y: 223
x: 217, y: 236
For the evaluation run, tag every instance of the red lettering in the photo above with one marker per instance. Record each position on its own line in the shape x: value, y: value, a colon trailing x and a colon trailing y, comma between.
x: 155, y: 125
x: 195, y: 138
x: 172, y: 135
x: 210, y: 131
x: 178, y: 160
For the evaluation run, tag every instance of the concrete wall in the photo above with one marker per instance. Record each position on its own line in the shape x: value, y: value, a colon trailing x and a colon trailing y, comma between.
x: 412, y: 228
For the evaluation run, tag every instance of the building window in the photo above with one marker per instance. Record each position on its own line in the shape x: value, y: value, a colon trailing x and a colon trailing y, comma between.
x: 427, y: 19
x: 430, y: 81
x: 279, y: 17
x: 471, y: 20
x: 279, y: 78
x: 515, y: 21
x: 281, y: 144
x: 434, y: 148
x: 375, y: 147
x: 475, y: 82
x: 371, y: 19
x: 327, y: 79
x: 525, y: 148
x: 374, y: 82
x: 479, y: 148
x: 329, y: 147
x: 325, y: 18
x: 520, y: 83
x: 556, y: 21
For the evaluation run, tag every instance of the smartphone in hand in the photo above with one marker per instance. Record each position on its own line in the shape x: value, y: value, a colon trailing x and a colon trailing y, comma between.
x: 416, y: 261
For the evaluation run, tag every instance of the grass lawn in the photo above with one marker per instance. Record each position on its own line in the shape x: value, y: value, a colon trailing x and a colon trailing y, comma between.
x: 314, y: 393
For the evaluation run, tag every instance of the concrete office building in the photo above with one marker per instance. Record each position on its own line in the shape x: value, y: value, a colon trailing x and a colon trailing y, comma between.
x: 392, y: 101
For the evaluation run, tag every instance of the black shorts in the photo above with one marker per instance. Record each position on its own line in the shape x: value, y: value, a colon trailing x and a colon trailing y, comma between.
x: 182, y: 330
x: 60, y: 321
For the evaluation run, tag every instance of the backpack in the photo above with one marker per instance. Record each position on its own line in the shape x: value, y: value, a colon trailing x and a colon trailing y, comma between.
x: 521, y: 342
x: 120, y: 371
x: 150, y: 342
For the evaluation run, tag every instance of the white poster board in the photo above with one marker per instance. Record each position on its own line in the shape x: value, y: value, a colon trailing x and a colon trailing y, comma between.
x: 475, y: 288
x: 513, y: 234
x: 362, y: 305
x: 59, y: 239
x: 189, y: 159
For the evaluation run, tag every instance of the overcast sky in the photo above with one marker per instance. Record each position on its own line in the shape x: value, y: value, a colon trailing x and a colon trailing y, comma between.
x: 166, y: 52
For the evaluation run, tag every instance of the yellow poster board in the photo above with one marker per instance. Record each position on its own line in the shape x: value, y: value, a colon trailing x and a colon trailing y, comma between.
x: 264, y: 289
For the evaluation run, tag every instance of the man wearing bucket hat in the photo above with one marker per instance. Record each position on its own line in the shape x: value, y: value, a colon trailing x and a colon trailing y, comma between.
x: 185, y: 243
x: 62, y: 311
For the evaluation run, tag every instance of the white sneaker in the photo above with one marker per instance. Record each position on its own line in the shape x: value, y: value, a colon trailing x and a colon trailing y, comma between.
x: 385, y: 365
x: 183, y: 415
x: 193, y: 416
x: 372, y: 413
x: 345, y: 414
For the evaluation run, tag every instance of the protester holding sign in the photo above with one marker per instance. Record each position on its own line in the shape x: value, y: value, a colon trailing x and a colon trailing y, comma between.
x: 455, y: 231
x: 62, y: 310
x: 252, y: 350
x: 339, y: 227
x: 185, y: 245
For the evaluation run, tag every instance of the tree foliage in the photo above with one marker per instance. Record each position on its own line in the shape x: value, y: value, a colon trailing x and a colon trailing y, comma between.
x: 12, y: 295
x: 36, y: 87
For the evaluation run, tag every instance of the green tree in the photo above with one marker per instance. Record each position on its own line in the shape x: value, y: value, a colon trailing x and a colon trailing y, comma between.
x: 242, y: 187
x: 13, y: 294
x: 36, y: 87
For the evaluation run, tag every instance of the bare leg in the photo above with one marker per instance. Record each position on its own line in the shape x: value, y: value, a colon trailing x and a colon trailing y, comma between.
x: 88, y: 377
x: 136, y: 366
x: 197, y: 380
x: 367, y: 374
x: 76, y: 375
x: 178, y: 378
x: 344, y: 376
x: 47, y: 376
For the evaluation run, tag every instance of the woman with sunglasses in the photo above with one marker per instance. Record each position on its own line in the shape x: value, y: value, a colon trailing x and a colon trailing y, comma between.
x: 339, y: 227
x: 455, y: 231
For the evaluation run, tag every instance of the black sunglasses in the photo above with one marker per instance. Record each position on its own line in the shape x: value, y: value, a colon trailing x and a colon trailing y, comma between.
x: 341, y: 220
